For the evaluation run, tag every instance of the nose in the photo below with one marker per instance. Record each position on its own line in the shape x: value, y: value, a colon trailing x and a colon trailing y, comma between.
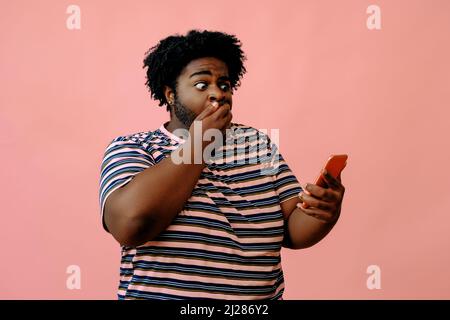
x: 216, y: 94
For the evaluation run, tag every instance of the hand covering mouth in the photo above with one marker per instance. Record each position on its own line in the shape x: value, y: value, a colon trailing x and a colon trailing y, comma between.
x: 225, y: 102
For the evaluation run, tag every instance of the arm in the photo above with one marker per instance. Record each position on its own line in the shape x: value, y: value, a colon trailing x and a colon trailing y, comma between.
x: 304, y: 231
x: 306, y: 227
x: 146, y: 206
x: 143, y: 208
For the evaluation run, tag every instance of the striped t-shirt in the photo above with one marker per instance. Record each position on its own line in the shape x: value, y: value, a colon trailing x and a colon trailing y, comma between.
x: 226, y: 242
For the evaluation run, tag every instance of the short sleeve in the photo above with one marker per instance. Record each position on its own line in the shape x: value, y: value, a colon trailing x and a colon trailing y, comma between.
x: 285, y: 182
x: 122, y: 160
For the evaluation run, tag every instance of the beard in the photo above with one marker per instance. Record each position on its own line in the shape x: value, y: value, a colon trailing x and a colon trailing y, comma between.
x: 184, y: 114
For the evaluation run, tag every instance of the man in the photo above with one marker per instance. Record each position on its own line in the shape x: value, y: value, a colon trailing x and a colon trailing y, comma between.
x: 208, y: 226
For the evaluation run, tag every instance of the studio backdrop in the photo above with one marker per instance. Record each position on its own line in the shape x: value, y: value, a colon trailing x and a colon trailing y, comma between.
x: 367, y: 78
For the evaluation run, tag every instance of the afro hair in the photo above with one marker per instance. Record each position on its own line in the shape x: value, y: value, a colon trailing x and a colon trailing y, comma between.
x: 166, y: 60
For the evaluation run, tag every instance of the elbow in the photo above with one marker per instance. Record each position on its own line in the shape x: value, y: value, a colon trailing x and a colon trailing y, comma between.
x: 132, y: 231
x: 129, y: 221
x: 301, y: 246
x: 131, y: 235
x: 298, y: 244
x: 130, y: 242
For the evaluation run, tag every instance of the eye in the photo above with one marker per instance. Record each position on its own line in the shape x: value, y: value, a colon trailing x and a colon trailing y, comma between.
x: 225, y: 86
x: 200, y: 85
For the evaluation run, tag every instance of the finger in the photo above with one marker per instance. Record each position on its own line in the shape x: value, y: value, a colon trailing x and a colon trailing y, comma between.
x: 312, y: 201
x: 304, y: 191
x: 227, y: 121
x: 325, y: 216
x: 222, y: 112
x: 324, y: 194
x: 210, y: 109
x: 331, y: 181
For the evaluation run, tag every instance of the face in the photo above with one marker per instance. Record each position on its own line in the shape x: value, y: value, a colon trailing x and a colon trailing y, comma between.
x: 201, y: 82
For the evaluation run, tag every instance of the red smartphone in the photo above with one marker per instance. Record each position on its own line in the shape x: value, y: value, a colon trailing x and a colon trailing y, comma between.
x: 335, y: 164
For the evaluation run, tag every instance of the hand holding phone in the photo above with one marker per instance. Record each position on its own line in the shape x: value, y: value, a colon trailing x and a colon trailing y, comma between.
x: 334, y: 166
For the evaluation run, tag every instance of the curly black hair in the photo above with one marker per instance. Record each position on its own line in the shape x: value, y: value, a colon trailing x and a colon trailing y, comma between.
x: 166, y: 60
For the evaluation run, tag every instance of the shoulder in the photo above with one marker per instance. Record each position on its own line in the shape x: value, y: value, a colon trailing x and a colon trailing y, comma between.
x: 142, y: 139
x: 248, y: 130
x: 138, y: 137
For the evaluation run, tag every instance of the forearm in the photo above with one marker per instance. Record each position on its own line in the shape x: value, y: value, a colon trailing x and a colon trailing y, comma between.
x: 158, y: 194
x: 305, y: 231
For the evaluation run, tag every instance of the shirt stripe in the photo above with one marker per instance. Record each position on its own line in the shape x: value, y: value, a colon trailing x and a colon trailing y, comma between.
x: 226, y: 242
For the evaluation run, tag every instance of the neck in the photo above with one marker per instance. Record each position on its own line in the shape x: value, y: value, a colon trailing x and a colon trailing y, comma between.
x: 174, y: 124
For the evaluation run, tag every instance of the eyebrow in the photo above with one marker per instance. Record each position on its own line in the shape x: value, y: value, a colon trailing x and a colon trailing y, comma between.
x: 207, y: 72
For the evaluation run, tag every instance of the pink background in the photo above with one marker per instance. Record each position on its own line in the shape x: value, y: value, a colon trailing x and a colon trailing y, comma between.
x: 315, y: 71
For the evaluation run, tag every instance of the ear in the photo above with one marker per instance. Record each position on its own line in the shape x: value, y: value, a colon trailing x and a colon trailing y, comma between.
x: 169, y: 94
